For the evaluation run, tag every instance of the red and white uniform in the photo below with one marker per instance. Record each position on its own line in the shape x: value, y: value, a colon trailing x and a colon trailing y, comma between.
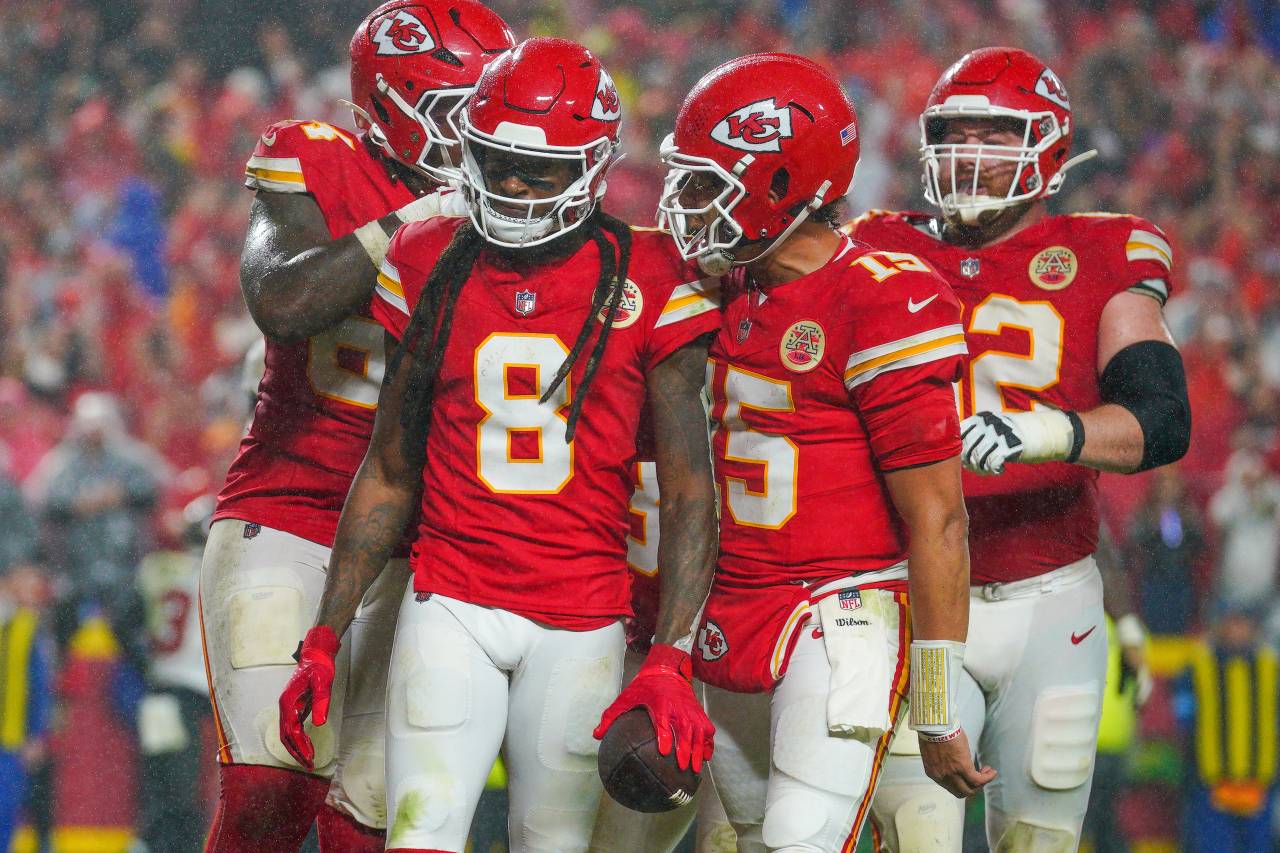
x: 264, y: 565
x: 514, y: 637
x: 1032, y: 305
x: 513, y: 517
x: 317, y: 397
x: 818, y: 386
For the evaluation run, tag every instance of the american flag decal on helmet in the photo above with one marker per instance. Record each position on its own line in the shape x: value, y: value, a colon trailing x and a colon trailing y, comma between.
x: 849, y: 134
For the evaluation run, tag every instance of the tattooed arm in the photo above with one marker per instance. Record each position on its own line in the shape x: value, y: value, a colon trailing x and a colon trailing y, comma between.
x: 383, y: 498
x: 687, y: 509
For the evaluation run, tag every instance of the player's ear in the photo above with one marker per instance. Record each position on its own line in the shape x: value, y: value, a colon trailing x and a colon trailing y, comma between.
x: 779, y: 185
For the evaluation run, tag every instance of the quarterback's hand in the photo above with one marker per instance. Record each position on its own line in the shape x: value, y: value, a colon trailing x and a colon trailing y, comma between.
x: 307, y: 692
x: 950, y: 764
x: 989, y: 440
x: 662, y: 687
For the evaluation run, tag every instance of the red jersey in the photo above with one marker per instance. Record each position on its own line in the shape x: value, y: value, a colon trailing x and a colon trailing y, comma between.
x: 818, y: 386
x: 317, y: 397
x: 1032, y: 304
x: 512, y: 516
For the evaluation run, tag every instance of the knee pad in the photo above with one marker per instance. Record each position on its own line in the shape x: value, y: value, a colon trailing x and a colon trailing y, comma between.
x: 930, y: 822
x: 576, y: 696
x: 360, y: 789
x: 265, y: 620
x: 1027, y: 837
x: 436, y: 697
x: 424, y: 805
x: 1064, y: 736
x: 793, y: 819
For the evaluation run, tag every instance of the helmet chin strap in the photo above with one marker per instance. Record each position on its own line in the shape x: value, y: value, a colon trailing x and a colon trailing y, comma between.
x: 718, y: 262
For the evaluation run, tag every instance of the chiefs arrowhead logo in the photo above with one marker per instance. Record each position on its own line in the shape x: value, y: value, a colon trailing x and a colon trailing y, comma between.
x: 711, y: 641
x: 1049, y: 86
x: 756, y: 127
x: 606, y: 106
x: 402, y: 34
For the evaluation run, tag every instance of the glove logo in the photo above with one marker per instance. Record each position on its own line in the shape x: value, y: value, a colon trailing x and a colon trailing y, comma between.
x: 711, y: 642
x: 629, y: 308
x: 760, y: 126
x: 802, y: 346
x: 606, y: 106
x: 402, y: 34
x: 1054, y: 268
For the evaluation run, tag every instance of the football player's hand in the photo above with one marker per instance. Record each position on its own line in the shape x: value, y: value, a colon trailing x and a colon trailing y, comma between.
x: 663, y: 688
x: 308, y: 692
x: 950, y: 764
x: 989, y: 440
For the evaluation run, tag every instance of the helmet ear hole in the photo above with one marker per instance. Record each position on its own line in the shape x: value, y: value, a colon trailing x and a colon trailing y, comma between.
x: 383, y: 114
x: 779, y: 185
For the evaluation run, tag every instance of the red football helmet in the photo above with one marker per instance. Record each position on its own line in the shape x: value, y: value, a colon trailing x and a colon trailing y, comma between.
x: 547, y: 98
x: 769, y: 121
x: 997, y: 82
x: 413, y: 64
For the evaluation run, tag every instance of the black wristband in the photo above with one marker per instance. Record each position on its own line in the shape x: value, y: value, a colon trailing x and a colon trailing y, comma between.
x: 1077, y: 437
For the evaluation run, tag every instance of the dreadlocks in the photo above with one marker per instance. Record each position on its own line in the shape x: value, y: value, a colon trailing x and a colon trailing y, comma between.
x: 427, y: 335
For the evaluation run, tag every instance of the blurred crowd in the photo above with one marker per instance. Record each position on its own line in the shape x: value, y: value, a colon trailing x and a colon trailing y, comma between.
x: 124, y: 127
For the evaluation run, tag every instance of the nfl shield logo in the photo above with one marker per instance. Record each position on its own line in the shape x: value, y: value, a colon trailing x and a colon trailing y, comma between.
x: 850, y: 599
x: 525, y: 300
x: 969, y: 267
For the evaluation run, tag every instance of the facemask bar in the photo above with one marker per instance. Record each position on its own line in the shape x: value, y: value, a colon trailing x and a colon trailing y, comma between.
x: 449, y: 148
x: 564, y: 212
x: 966, y: 202
x: 722, y: 233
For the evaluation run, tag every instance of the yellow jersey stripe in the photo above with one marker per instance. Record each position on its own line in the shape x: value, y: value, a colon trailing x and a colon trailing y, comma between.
x: 897, y: 355
x: 1145, y: 251
x: 387, y: 282
x: 275, y: 175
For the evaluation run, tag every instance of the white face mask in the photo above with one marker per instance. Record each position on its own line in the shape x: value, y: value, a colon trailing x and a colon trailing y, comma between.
x: 543, y: 219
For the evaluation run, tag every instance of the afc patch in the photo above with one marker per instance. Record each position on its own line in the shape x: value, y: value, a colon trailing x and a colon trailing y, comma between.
x: 252, y: 529
x: 629, y: 309
x: 526, y: 301
x: 711, y: 642
x: 850, y: 599
x: 1053, y: 268
x: 802, y: 346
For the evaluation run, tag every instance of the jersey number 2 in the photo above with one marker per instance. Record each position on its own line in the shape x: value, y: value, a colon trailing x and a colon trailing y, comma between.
x: 992, y: 371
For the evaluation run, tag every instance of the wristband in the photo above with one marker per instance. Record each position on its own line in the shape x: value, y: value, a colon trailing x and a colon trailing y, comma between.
x: 935, y: 680
x: 423, y: 207
x: 1077, y: 437
x: 1129, y: 631
x: 1046, y: 435
x: 374, y: 240
x: 949, y: 736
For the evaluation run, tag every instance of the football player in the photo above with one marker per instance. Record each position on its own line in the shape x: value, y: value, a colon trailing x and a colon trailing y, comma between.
x: 618, y: 829
x: 525, y: 341
x: 327, y: 203
x: 836, y: 453
x: 1071, y: 371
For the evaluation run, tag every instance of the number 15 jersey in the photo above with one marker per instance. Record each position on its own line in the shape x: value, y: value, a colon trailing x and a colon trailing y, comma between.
x: 820, y: 385
x: 512, y: 516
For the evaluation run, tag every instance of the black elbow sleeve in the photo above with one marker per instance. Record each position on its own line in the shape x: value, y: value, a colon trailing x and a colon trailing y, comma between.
x: 1148, y: 379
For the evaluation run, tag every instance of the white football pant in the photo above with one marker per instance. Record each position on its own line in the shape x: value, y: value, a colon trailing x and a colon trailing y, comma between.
x: 467, y: 680
x: 787, y: 784
x: 259, y: 592
x: 1034, y: 672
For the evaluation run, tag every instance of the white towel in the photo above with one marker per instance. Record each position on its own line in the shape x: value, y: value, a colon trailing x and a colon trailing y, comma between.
x: 856, y: 626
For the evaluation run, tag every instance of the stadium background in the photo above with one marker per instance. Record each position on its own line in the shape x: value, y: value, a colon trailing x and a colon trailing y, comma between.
x: 124, y: 127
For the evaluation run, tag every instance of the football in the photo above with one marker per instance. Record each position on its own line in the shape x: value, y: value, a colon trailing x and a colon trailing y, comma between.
x: 635, y: 774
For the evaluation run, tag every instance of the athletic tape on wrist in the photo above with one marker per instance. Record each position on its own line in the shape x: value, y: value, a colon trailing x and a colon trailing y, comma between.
x: 375, y: 241
x: 420, y: 208
x: 935, y: 680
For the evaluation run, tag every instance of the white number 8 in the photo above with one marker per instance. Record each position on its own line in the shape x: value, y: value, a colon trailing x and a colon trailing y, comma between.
x: 510, y: 413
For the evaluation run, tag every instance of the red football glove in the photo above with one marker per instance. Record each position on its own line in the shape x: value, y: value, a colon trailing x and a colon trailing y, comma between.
x: 308, y: 692
x: 663, y: 688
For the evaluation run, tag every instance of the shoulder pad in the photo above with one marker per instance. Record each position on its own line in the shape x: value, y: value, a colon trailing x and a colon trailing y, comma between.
x: 286, y: 149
